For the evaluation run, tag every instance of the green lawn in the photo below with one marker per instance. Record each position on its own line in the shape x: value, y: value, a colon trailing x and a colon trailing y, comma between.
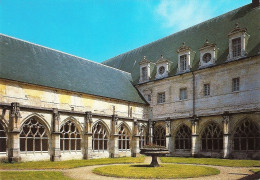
x: 70, y: 164
x: 165, y: 171
x: 29, y: 175
x: 212, y: 161
x: 255, y: 170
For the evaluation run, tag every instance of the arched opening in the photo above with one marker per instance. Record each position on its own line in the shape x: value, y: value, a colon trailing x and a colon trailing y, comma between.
x: 143, y: 140
x: 159, y: 135
x: 247, y: 136
x: 70, y: 138
x: 99, y: 137
x: 3, y: 139
x: 212, y: 138
x: 183, y: 138
x: 123, y: 138
x: 33, y: 136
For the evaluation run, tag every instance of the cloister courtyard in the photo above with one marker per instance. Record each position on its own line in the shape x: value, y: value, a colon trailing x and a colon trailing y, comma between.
x: 133, y: 168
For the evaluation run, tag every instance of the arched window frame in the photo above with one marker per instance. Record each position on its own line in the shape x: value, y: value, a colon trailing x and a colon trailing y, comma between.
x: 212, y: 138
x: 3, y: 139
x: 124, y: 138
x: 100, y: 137
x: 159, y: 135
x: 70, y: 137
x: 183, y: 138
x: 34, y: 131
x: 246, y: 136
x: 143, y: 136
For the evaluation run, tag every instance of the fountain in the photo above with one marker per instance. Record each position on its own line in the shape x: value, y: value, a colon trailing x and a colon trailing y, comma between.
x: 154, y: 151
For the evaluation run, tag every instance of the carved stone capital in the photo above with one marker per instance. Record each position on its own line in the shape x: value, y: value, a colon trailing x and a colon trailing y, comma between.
x: 15, y: 110
x: 115, y: 119
x: 195, y: 120
x: 56, y: 120
x: 88, y: 117
x: 226, y: 117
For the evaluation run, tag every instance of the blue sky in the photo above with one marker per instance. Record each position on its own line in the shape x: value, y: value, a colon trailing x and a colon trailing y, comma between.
x: 100, y: 29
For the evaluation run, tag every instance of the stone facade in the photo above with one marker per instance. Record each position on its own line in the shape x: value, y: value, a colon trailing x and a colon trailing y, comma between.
x: 23, y: 105
x: 223, y: 108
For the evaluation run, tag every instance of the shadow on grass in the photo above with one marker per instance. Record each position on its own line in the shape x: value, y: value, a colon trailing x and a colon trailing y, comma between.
x: 143, y: 165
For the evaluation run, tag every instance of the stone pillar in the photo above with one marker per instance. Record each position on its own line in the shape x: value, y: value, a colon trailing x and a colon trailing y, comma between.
x: 169, y: 142
x: 195, y: 136
x: 55, y: 136
x: 14, y: 133
x: 113, y: 148
x: 150, y: 131
x: 87, y: 139
x: 135, y: 150
x: 226, y: 135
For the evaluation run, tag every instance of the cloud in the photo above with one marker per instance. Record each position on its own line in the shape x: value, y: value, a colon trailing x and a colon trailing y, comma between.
x: 182, y: 14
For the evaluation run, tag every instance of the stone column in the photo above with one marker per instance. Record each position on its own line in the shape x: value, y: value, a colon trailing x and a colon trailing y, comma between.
x: 113, y: 148
x: 195, y: 136
x: 87, y: 139
x: 169, y: 142
x: 14, y: 133
x: 226, y: 135
x: 55, y: 136
x: 135, y: 150
x: 150, y: 131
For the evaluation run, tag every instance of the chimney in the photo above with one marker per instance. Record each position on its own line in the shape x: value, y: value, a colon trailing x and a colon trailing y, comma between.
x: 255, y: 3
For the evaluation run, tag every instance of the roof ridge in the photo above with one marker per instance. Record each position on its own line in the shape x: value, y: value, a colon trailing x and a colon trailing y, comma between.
x: 191, y: 27
x: 63, y: 52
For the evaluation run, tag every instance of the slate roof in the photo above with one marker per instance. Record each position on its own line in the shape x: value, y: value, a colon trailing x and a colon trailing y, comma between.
x: 30, y: 63
x: 216, y: 30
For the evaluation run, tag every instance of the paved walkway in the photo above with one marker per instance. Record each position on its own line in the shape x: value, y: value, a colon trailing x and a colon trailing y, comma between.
x: 227, y: 173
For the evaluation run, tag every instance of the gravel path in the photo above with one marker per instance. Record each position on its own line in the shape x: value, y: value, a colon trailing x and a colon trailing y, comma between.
x: 227, y: 173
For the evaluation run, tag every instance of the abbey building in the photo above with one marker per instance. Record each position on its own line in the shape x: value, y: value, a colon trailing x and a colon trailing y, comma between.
x: 197, y: 92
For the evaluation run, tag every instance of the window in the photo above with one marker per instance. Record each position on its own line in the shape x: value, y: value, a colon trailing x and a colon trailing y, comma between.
x: 247, y: 136
x: 144, y: 73
x: 149, y: 98
x: 235, y: 84
x: 123, y: 138
x: 183, y: 62
x: 206, y: 57
x: 236, y: 47
x: 161, y: 98
x: 99, y: 137
x: 70, y: 139
x: 2, y: 139
x: 183, y: 138
x: 206, y: 89
x: 183, y: 93
x: 33, y: 136
x: 143, y: 140
x: 161, y: 70
x: 159, y: 136
x: 212, y: 138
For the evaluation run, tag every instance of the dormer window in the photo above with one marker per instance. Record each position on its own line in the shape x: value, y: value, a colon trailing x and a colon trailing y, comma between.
x: 237, y: 43
x: 144, y: 70
x: 208, y: 54
x: 183, y: 62
x: 162, y: 66
x: 185, y: 55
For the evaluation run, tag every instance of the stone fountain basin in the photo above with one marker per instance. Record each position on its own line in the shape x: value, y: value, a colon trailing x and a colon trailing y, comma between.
x: 154, y: 152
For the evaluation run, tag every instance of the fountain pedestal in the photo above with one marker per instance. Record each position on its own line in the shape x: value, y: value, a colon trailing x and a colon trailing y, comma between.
x: 154, y: 152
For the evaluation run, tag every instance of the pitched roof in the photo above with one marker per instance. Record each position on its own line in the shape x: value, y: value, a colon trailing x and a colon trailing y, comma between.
x: 30, y: 63
x: 216, y: 30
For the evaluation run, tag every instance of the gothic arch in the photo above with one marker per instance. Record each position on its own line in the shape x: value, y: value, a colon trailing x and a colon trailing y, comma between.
x: 100, y: 136
x: 124, y: 137
x: 182, y: 137
x: 159, y: 135
x: 211, y: 136
x: 246, y: 135
x: 143, y: 135
x: 126, y: 125
x: 34, y: 134
x: 71, y: 135
x: 103, y: 123
x: 3, y: 137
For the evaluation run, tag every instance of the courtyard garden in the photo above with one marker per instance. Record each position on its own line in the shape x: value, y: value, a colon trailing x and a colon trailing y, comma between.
x: 129, y: 167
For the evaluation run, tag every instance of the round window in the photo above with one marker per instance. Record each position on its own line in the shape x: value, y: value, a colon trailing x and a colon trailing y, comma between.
x: 161, y: 70
x: 206, y: 57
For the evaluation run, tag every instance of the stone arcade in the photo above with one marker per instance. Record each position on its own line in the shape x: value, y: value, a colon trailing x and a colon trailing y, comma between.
x: 196, y: 92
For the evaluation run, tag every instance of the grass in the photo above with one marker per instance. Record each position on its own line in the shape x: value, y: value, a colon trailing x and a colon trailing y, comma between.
x: 70, y: 164
x: 212, y: 161
x: 255, y: 170
x: 35, y: 175
x: 145, y: 172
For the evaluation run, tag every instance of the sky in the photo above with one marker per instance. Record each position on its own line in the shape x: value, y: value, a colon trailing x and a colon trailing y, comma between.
x: 101, y: 29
